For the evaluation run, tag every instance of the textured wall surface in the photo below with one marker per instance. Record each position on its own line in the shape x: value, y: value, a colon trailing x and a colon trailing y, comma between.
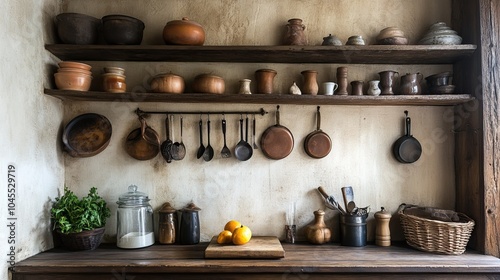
x: 258, y: 191
x: 31, y: 125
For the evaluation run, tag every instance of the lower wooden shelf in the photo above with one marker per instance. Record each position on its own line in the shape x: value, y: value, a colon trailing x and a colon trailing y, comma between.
x: 394, y: 100
x: 301, y: 261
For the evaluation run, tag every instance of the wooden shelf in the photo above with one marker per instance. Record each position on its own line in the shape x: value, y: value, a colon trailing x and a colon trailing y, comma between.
x: 396, y: 100
x: 371, y: 54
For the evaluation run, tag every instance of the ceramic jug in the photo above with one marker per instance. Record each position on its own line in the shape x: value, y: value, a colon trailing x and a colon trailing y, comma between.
x: 310, y: 84
x: 373, y: 88
x: 357, y: 87
x: 295, y: 33
x: 387, y: 81
x: 265, y: 79
x: 410, y: 84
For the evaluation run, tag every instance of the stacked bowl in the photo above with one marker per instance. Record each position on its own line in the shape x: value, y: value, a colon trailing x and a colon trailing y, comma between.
x: 440, y: 34
x: 440, y: 83
x: 73, y: 76
x: 391, y: 36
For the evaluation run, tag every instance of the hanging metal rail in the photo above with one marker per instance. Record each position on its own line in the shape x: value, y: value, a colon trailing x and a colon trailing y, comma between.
x: 261, y: 112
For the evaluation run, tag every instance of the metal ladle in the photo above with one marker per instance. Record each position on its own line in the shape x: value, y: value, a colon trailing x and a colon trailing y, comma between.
x: 209, y: 151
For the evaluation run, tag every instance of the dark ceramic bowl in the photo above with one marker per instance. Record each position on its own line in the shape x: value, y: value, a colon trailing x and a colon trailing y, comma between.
x: 440, y: 79
x: 122, y: 30
x: 78, y: 29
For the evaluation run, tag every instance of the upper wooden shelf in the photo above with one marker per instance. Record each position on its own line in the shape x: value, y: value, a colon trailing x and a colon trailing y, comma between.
x: 370, y: 54
x: 395, y: 100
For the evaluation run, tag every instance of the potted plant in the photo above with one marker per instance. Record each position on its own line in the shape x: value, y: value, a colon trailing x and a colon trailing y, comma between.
x: 79, y: 223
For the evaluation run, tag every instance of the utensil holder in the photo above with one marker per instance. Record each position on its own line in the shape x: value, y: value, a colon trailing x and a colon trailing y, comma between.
x: 353, y: 230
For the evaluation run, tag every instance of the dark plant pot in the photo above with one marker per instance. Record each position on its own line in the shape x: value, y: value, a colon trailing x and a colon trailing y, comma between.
x: 122, y: 30
x: 85, y: 240
x: 78, y: 29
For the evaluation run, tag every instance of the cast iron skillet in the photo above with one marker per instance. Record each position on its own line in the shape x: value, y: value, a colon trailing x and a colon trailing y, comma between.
x: 407, y: 149
x: 87, y: 135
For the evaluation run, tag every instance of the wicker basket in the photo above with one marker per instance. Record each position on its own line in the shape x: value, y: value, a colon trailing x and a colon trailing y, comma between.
x: 427, y: 235
x: 85, y: 240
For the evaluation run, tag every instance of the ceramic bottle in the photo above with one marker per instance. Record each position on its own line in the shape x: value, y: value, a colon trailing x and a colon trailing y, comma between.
x: 310, y: 86
x: 318, y: 232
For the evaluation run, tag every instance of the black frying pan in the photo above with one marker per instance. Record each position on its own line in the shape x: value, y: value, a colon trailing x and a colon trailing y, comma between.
x: 407, y: 149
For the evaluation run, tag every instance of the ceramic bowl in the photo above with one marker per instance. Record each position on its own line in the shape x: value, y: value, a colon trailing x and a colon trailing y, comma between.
x: 441, y: 40
x: 167, y: 83
x: 442, y: 89
x: 73, y: 64
x: 355, y: 41
x: 207, y: 83
x: 389, y: 32
x: 393, y: 41
x: 72, y: 81
x: 78, y: 29
x: 122, y: 30
x: 440, y: 79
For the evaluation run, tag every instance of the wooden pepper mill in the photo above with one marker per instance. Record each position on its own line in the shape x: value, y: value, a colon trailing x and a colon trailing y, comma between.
x: 382, y: 231
x: 342, y: 81
x: 318, y: 233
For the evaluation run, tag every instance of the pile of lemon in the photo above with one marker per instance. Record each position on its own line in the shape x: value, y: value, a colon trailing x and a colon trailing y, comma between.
x: 234, y: 232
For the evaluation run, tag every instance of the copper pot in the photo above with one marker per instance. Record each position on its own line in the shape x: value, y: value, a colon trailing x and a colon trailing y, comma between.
x: 207, y: 83
x: 168, y: 83
x: 183, y: 32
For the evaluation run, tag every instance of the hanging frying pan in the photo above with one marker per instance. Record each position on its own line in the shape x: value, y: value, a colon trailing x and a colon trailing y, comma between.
x: 318, y: 144
x: 143, y: 143
x: 276, y: 141
x: 407, y: 149
x: 86, y: 135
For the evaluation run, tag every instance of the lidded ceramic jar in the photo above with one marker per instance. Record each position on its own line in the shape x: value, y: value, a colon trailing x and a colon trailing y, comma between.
x: 183, y: 32
x: 167, y: 224
x: 134, y: 220
x: 189, y: 226
x: 295, y: 33
x: 331, y: 40
x: 167, y: 83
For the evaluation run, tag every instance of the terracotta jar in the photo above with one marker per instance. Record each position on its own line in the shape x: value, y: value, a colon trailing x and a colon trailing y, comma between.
x: 183, y: 32
x: 310, y: 84
x: 265, y: 80
x: 342, y: 81
x: 112, y: 82
x: 318, y: 233
x: 295, y: 33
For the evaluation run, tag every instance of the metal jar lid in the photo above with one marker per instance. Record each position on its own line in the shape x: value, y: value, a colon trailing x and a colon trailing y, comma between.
x: 133, y: 197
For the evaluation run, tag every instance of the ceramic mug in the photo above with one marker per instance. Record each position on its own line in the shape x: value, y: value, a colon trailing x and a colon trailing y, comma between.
x: 328, y: 88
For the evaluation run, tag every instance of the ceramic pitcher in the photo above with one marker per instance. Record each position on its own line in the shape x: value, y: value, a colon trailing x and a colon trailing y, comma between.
x: 373, y: 88
x: 387, y: 81
x: 410, y: 84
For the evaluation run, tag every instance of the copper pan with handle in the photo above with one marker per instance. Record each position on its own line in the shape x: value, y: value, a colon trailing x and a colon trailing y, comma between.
x: 317, y: 143
x: 277, y: 141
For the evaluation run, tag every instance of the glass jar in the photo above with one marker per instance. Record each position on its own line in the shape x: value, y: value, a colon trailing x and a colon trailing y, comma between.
x: 134, y: 220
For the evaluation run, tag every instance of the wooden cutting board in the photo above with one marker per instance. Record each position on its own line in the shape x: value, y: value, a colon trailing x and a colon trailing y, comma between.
x: 259, y: 247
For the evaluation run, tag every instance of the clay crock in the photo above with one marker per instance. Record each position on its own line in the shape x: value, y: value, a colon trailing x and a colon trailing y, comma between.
x: 183, y: 32
x: 168, y: 83
x: 207, y: 83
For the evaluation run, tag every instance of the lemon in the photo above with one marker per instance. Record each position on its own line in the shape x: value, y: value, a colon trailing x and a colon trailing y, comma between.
x: 225, y: 237
x: 232, y: 225
x: 242, y: 235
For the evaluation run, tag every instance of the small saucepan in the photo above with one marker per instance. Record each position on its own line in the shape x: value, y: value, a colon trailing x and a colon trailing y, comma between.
x: 318, y: 144
x: 407, y: 149
x: 276, y: 141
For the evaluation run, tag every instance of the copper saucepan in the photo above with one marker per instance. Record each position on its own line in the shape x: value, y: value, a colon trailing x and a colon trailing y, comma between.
x: 276, y: 141
x: 318, y: 144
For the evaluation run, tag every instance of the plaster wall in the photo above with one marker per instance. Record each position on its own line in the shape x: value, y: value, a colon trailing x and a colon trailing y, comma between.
x: 257, y: 192
x: 30, y: 125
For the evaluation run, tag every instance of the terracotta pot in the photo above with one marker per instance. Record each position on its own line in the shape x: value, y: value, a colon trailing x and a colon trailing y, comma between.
x: 168, y: 83
x: 183, y: 32
x: 207, y: 83
x: 265, y: 80
x: 72, y: 81
x: 79, y: 29
x: 310, y: 84
x: 74, y: 64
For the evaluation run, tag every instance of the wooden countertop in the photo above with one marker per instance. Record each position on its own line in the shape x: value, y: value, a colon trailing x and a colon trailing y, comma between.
x: 302, y: 258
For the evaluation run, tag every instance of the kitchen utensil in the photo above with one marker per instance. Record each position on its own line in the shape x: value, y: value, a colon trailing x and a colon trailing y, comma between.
x: 177, y: 150
x: 348, y: 195
x: 183, y: 32
x: 78, y: 29
x: 122, y: 30
x: 87, y: 135
x: 143, y: 143
x: 201, y: 149
x: 225, y: 152
x: 253, y: 132
x: 276, y: 141
x: 182, y: 147
x: 166, y: 146
x: 318, y: 144
x: 351, y: 207
x: 209, y: 151
x: 243, y: 151
x: 330, y: 201
x: 353, y: 230
x: 407, y: 149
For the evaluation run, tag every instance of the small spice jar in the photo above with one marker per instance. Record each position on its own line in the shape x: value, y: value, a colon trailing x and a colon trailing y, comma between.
x: 167, y: 224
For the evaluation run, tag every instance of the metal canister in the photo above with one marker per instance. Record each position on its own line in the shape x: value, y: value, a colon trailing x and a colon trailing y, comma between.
x: 189, y: 228
x: 167, y: 224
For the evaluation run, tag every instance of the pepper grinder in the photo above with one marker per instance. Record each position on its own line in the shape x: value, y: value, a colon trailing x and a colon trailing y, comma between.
x: 382, y: 231
x: 342, y: 81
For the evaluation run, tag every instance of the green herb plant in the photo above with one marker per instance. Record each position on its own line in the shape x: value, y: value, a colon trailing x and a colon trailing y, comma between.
x: 73, y: 215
